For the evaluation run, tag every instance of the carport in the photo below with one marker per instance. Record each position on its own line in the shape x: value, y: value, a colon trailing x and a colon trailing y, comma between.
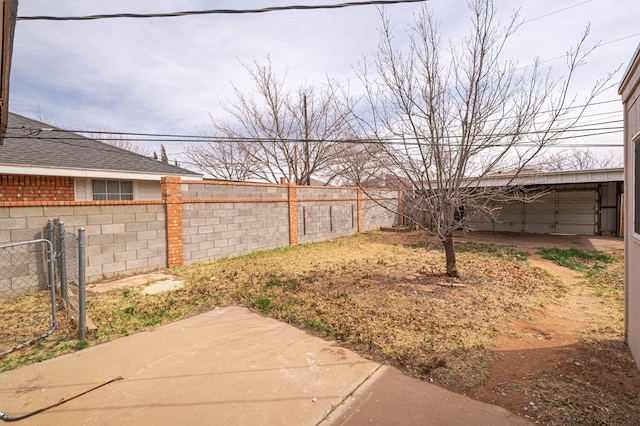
x: 586, y: 202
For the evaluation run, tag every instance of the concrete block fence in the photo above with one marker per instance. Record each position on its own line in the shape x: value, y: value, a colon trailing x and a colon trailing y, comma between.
x: 200, y: 220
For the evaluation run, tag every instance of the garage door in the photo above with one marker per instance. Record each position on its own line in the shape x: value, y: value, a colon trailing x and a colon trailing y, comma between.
x: 510, y: 218
x: 577, y: 212
x: 540, y: 215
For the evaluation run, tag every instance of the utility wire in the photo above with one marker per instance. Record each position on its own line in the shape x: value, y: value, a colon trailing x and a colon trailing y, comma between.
x: 214, y: 11
x: 574, y: 133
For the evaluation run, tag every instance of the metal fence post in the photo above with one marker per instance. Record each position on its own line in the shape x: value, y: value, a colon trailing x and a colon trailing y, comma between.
x: 63, y: 264
x: 82, y: 296
x: 52, y: 256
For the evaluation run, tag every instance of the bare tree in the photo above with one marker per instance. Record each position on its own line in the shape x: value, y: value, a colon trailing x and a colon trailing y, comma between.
x: 277, y: 132
x: 119, y: 140
x: 448, y: 118
x: 576, y: 159
x: 222, y: 159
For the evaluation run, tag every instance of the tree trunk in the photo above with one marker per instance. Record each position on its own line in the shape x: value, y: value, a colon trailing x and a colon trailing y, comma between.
x: 450, y: 254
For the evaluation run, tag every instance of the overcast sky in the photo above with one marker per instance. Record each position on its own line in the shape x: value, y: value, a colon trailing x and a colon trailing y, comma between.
x: 166, y: 75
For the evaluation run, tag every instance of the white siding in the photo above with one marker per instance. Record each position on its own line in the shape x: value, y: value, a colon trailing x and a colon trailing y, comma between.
x: 142, y: 190
x: 147, y: 190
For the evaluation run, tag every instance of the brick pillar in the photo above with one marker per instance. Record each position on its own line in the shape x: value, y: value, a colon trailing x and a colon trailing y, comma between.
x: 293, y: 213
x: 360, y: 212
x: 172, y: 196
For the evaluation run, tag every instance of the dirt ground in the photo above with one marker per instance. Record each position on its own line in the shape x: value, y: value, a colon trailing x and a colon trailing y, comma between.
x: 554, y: 347
x: 561, y: 361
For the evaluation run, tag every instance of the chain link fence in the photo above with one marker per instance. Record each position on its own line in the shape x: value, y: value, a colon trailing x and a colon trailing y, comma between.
x: 34, y: 275
x: 28, y: 298
x: 69, y: 271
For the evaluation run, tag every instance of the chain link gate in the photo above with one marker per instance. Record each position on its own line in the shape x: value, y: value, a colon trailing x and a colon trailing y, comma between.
x: 27, y: 293
x: 31, y: 273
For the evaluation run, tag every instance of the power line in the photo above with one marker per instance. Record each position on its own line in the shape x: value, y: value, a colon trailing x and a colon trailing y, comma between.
x: 214, y: 11
x: 576, y: 132
x: 556, y: 12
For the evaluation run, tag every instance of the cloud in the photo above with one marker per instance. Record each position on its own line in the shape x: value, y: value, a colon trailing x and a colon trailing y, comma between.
x: 167, y: 75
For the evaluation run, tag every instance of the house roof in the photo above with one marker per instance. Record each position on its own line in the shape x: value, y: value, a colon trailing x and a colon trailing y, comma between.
x: 32, y: 147
x: 627, y: 72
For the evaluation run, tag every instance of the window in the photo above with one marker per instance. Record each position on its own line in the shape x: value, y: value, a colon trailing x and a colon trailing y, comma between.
x: 112, y: 190
x: 636, y: 184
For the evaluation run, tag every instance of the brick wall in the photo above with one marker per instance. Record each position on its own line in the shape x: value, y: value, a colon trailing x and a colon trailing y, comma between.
x: 36, y: 188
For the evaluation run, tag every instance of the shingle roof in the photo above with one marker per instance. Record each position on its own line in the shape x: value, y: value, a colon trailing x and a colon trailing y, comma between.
x: 23, y: 145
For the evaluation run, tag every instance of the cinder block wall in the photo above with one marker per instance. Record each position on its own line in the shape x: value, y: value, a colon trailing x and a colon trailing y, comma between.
x: 120, y: 239
x: 223, y: 219
x: 380, y: 208
x: 325, y: 213
x: 198, y: 221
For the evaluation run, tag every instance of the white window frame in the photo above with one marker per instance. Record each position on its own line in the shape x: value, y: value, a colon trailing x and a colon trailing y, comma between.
x: 107, y: 193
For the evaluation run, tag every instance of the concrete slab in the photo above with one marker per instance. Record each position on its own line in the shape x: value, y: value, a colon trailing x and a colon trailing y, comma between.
x: 227, y: 366
x: 231, y: 367
x: 131, y: 281
x: 392, y: 398
x: 162, y: 286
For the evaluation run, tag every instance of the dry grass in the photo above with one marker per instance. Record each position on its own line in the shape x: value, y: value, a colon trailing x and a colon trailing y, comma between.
x: 384, y: 295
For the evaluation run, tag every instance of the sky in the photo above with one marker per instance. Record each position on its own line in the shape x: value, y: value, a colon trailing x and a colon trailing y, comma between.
x: 170, y: 75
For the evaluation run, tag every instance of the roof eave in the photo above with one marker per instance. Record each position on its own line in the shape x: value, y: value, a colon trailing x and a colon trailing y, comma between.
x: 21, y: 169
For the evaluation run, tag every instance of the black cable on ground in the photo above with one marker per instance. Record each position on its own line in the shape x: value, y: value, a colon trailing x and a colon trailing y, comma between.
x: 7, y: 418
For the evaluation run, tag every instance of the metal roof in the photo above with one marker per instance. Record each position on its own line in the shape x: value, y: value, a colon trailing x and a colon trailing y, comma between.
x: 553, y: 178
x: 31, y: 144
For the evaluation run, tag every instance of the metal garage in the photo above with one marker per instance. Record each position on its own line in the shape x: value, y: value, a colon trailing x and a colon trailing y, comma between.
x: 579, y: 202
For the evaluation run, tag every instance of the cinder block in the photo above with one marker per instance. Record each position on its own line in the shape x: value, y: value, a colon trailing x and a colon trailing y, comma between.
x: 73, y: 220
x: 99, y: 219
x: 124, y: 218
x: 205, y: 229
x: 135, y: 208
x: 124, y: 237
x: 113, y: 228
x: 135, y: 227
x: 145, y: 217
x: 124, y: 256
x: 93, y: 273
x: 56, y: 212
x: 137, y: 265
x: 5, y: 212
x: 100, y: 239
x: 136, y: 245
x: 115, y: 268
x: 14, y: 223
x: 26, y: 212
x: 101, y: 259
x: 111, y: 210
x: 146, y: 253
x: 18, y: 235
x: 159, y: 261
x: 198, y: 238
x: 86, y: 210
x: 113, y: 248
x: 157, y: 225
